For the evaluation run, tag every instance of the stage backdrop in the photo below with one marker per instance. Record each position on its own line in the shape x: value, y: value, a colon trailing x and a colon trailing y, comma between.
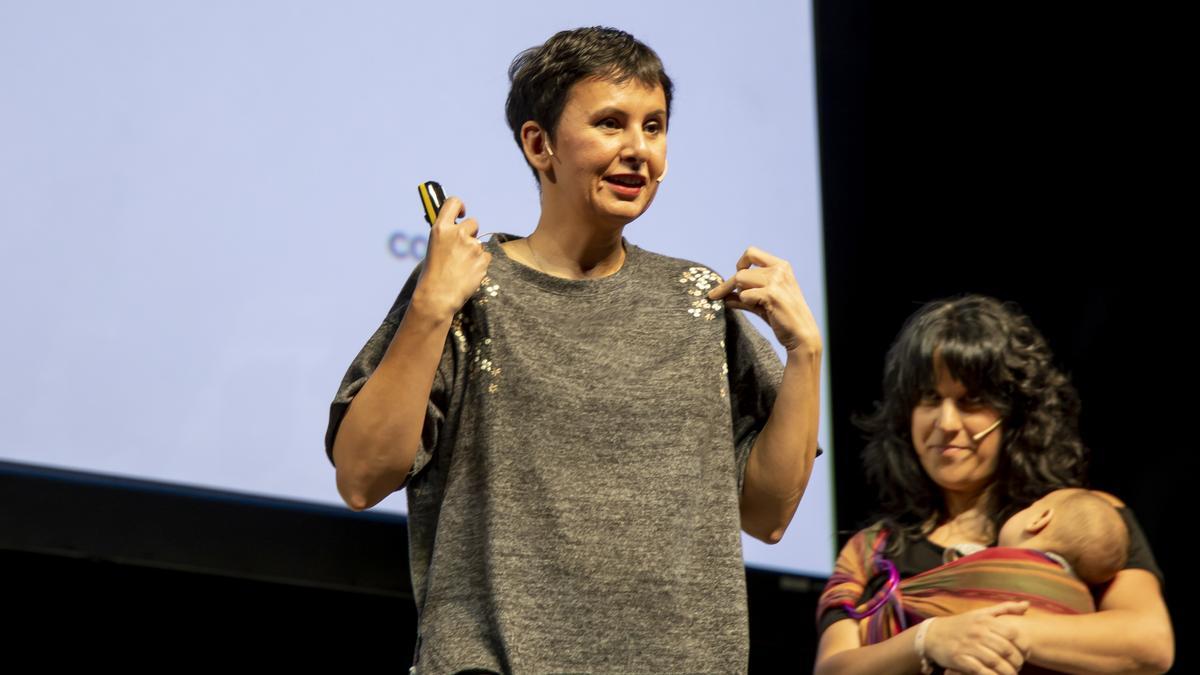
x: 208, y: 207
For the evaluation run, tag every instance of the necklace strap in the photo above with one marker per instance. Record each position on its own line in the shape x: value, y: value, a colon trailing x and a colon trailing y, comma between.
x: 540, y: 265
x: 537, y: 262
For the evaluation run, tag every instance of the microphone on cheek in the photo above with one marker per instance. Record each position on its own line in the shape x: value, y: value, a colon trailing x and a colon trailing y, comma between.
x: 983, y: 434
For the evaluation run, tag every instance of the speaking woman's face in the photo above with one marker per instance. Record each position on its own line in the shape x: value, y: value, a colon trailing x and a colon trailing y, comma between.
x: 609, y: 149
x: 956, y: 436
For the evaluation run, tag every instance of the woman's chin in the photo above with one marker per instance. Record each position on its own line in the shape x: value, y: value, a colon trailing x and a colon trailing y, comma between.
x: 621, y: 216
x: 629, y: 203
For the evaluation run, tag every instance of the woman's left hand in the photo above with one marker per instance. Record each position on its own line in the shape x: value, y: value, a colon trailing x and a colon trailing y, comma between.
x: 766, y: 286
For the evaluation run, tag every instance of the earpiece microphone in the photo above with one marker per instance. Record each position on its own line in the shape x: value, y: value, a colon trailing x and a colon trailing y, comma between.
x: 983, y: 434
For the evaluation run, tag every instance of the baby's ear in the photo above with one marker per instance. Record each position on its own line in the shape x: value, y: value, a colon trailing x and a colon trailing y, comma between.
x: 1040, y: 522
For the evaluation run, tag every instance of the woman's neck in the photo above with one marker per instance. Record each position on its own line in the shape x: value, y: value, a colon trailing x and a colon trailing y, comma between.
x: 960, y: 503
x: 967, y: 519
x: 575, y: 255
x: 564, y: 246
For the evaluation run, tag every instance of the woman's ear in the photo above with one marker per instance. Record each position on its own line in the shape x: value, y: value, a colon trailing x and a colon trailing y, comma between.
x: 535, y: 143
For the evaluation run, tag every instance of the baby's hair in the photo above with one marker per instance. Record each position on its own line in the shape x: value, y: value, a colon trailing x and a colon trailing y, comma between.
x: 1090, y: 534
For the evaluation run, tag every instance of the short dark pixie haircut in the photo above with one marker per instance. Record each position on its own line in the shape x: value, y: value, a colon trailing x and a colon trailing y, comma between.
x: 998, y: 355
x: 542, y: 76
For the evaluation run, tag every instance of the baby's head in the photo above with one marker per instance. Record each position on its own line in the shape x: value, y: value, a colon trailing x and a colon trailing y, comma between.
x: 1076, y: 524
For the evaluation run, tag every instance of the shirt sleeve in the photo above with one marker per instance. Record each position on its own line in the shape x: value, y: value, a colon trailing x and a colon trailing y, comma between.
x: 1140, y: 555
x: 830, y: 617
x: 364, y: 365
x: 754, y: 376
x: 846, y: 584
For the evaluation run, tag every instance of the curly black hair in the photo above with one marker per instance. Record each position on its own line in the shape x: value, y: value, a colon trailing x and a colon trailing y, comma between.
x: 996, y: 353
x: 542, y: 76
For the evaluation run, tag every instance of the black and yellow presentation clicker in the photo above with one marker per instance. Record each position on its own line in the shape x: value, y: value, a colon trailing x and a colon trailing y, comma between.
x: 432, y: 199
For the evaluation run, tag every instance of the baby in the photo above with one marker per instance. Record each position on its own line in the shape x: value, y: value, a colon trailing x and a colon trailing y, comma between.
x: 1048, y: 555
x: 1075, y: 527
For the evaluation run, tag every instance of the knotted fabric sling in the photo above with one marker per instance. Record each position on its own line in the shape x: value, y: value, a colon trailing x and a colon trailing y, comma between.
x: 978, y: 580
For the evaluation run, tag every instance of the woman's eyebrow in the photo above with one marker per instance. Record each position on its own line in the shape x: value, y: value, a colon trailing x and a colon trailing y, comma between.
x: 614, y: 110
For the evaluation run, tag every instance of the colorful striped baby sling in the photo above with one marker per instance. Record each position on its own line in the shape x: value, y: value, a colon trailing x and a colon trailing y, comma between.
x: 978, y: 580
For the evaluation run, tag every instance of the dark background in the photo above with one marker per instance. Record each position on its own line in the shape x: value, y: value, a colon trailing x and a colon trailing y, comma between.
x: 1020, y: 152
x: 1023, y: 152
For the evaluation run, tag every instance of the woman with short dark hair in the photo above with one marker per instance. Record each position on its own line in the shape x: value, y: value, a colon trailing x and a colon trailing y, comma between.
x: 582, y: 425
x: 542, y: 76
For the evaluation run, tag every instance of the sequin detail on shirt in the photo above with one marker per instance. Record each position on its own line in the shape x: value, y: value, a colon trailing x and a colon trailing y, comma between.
x: 457, y: 328
x: 482, y: 358
x: 703, y: 280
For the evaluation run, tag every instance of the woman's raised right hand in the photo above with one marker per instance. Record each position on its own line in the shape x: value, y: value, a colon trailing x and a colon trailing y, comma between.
x: 454, y: 265
x: 978, y: 642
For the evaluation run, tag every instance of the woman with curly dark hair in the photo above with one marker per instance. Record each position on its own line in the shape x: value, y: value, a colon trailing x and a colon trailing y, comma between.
x: 976, y: 423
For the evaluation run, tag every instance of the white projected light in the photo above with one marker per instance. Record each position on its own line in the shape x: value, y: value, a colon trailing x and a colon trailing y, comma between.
x: 208, y: 208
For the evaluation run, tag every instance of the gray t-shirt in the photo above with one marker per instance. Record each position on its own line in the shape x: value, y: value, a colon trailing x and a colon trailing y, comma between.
x: 573, y: 506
